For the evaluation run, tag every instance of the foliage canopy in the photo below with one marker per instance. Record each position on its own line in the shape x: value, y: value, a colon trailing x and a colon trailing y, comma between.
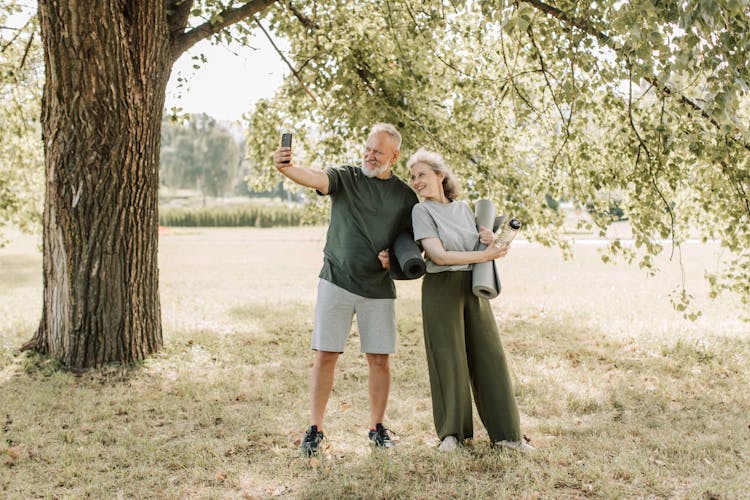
x: 640, y: 103
x: 21, y: 177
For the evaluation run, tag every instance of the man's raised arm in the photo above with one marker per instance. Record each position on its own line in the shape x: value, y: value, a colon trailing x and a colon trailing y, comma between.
x: 316, y: 179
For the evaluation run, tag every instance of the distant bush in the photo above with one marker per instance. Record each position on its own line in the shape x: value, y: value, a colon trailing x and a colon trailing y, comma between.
x: 236, y: 216
x: 552, y: 202
x: 614, y: 213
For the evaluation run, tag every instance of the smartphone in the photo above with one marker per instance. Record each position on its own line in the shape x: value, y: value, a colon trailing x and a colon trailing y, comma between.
x: 286, y: 141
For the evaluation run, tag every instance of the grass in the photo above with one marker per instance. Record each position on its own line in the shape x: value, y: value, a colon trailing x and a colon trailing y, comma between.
x: 621, y: 396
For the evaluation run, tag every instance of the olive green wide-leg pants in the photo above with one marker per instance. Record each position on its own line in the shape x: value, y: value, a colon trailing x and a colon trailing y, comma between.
x: 464, y: 350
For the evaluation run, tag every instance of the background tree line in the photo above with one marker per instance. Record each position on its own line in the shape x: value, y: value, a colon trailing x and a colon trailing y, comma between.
x: 202, y: 155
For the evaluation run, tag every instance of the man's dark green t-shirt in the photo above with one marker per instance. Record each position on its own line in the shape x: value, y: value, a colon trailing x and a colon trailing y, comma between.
x: 367, y: 214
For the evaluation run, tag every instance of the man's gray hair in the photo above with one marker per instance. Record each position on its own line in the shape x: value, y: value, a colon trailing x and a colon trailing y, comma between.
x: 388, y: 129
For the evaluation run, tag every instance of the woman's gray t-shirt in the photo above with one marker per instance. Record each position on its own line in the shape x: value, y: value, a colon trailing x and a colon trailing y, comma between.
x: 452, y: 222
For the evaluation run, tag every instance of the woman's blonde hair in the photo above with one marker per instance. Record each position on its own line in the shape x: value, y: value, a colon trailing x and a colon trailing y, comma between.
x: 451, y: 187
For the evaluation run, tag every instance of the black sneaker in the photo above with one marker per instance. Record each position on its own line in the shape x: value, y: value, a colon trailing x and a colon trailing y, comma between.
x: 310, y: 444
x: 379, y: 437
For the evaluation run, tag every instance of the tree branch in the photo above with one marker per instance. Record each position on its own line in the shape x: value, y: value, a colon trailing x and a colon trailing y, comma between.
x: 17, y: 34
x: 365, y: 75
x: 510, y: 72
x: 286, y: 61
x: 738, y: 187
x: 582, y: 24
x: 178, y: 12
x: 630, y: 115
x: 589, y: 28
x: 306, y: 21
x: 427, y: 34
x: 226, y: 18
x: 649, y: 162
x: 26, y: 52
x: 545, y: 74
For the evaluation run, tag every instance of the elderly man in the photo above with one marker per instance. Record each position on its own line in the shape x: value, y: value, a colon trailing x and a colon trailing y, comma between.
x: 370, y: 207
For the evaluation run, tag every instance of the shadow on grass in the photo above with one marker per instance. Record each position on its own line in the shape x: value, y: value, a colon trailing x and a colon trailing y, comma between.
x: 220, y: 412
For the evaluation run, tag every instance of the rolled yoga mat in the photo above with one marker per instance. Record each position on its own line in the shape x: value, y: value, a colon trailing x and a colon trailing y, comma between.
x: 406, y: 258
x: 485, y: 281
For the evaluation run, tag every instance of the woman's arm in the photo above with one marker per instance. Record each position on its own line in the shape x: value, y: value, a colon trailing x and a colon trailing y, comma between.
x: 437, y: 253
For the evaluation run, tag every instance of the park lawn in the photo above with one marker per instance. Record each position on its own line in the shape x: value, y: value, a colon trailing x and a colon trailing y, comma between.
x: 620, y: 394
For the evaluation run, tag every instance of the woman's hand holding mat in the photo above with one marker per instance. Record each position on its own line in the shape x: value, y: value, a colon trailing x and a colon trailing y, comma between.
x: 485, y: 281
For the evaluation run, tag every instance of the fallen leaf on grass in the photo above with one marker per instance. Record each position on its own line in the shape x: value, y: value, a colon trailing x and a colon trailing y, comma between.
x: 14, y: 452
x: 220, y: 476
x: 345, y: 406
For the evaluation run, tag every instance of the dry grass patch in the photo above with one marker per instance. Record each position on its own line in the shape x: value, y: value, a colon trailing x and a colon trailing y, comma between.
x: 621, y: 396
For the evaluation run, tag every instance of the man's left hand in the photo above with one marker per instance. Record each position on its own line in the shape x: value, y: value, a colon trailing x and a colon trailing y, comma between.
x: 384, y: 259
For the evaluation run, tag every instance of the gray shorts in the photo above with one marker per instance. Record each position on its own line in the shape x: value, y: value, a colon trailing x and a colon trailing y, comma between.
x: 335, y: 308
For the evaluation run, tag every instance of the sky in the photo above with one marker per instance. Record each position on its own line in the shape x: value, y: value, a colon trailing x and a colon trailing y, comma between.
x: 233, y: 79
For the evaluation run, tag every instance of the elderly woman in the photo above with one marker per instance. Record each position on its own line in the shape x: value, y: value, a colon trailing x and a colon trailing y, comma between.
x: 461, y: 336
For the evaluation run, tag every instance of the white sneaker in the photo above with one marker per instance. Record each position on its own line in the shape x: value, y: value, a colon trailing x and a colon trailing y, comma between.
x: 523, y: 446
x: 449, y: 443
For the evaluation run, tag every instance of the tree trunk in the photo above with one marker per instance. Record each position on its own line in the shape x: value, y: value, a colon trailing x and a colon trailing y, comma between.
x: 107, y: 66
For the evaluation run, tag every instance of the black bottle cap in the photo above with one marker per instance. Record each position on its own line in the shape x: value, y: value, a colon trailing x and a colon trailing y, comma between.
x: 514, y: 224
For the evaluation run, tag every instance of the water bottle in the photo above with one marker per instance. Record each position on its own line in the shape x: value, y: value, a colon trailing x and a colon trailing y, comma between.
x: 508, y: 232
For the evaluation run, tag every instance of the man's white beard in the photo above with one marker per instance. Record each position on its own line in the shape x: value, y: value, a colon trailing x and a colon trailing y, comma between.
x: 369, y: 172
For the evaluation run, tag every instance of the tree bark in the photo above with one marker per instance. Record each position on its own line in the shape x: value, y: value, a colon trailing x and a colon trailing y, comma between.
x: 107, y: 67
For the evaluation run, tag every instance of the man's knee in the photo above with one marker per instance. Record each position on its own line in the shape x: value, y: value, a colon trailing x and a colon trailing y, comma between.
x: 326, y: 358
x: 378, y: 361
